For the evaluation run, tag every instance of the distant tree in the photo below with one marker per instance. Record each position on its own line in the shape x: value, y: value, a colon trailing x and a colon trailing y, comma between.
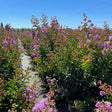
x: 7, y: 26
x: 1, y: 25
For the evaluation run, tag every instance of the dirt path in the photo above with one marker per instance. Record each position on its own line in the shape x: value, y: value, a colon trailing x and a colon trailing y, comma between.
x: 26, y: 63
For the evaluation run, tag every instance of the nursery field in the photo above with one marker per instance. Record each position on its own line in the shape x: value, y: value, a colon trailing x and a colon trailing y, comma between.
x: 74, y: 67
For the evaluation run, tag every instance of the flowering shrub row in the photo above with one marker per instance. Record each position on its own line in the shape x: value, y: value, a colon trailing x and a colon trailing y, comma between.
x: 12, y: 81
x: 14, y: 96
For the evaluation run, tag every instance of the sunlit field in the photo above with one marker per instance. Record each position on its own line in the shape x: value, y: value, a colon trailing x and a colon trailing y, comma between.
x: 74, y: 65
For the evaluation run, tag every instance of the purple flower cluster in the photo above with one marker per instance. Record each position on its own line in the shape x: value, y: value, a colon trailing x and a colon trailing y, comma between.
x: 27, y: 90
x: 89, y: 21
x: 5, y: 42
x: 12, y: 42
x: 90, y: 35
x: 51, y: 110
x: 34, y: 33
x: 102, y: 93
x: 31, y: 93
x: 110, y: 37
x: 107, y: 46
x: 88, y: 41
x: 35, y: 44
x: 51, y: 81
x: 40, y: 106
x: 44, y: 29
x: 54, y: 21
x: 79, y: 27
x: 98, y: 37
x: 85, y: 36
x: 92, y: 24
x: 35, y: 53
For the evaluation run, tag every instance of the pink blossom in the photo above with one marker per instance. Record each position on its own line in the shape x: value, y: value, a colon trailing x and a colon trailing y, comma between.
x: 86, y: 36
x: 36, y: 94
x: 38, y: 106
x: 12, y: 42
x: 45, y: 100
x: 88, y: 41
x: 79, y: 27
x: 110, y: 37
x: 107, y: 44
x: 54, y: 21
x: 92, y: 24
x: 99, y: 82
x: 51, y: 110
x: 31, y: 97
x: 102, y: 93
x: 97, y: 36
x: 54, y: 79
x: 34, y: 109
x: 97, y: 104
x: 90, y: 35
x: 89, y: 20
x: 103, y: 51
x: 27, y: 90
x: 5, y: 42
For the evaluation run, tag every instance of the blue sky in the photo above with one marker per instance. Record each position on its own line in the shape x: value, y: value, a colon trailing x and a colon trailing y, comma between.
x: 18, y: 12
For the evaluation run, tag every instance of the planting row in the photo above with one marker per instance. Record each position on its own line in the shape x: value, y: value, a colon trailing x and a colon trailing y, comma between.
x: 15, y: 96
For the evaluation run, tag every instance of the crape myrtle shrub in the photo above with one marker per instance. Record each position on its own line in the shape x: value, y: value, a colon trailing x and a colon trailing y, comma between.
x: 11, y: 86
x: 76, y: 58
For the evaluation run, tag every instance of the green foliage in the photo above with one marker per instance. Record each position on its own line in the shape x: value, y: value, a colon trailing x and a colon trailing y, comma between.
x: 11, y: 76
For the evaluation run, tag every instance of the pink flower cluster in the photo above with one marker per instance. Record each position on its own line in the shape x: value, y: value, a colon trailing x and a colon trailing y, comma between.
x: 104, y: 106
x: 98, y: 37
x: 45, y: 103
x: 106, y: 89
x: 40, y: 106
x: 107, y: 46
x: 54, y: 21
x: 88, y: 41
x: 51, y: 81
x: 44, y: 29
x: 35, y: 51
